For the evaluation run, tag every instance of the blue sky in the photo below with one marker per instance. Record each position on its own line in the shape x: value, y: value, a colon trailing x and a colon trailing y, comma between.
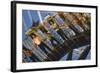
x: 28, y: 15
x: 27, y: 21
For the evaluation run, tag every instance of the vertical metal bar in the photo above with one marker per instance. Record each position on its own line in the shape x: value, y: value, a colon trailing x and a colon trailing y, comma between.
x: 40, y: 17
x: 30, y: 17
x: 24, y: 24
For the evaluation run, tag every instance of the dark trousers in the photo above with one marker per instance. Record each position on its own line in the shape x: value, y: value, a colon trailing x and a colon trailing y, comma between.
x: 43, y: 47
x: 54, y: 40
x: 34, y: 58
x: 62, y: 34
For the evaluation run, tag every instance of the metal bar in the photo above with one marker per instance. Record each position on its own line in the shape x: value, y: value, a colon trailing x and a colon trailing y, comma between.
x: 84, y: 54
x: 30, y: 17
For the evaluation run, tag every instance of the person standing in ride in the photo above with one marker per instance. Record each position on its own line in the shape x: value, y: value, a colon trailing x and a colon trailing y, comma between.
x: 57, y: 27
x: 67, y: 18
x: 75, y: 21
x: 38, y: 41
x: 63, y: 28
x: 52, y: 31
x: 48, y: 38
x: 29, y: 56
x: 84, y: 19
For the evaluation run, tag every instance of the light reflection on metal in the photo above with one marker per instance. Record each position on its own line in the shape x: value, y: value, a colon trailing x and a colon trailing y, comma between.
x: 40, y: 17
x: 24, y: 24
x: 30, y: 16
